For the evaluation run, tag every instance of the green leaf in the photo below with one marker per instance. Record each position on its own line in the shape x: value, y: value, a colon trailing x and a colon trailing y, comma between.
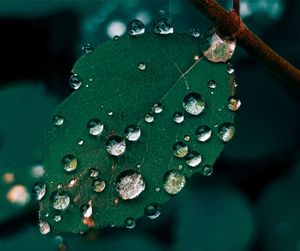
x: 118, y: 93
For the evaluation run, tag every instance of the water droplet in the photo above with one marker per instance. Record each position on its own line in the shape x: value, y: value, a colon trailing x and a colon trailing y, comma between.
x: 8, y: 178
x: 130, y: 223
x: 207, y: 170
x: 203, y: 133
x: 174, y: 182
x: 130, y: 184
x: 178, y: 117
x: 163, y: 27
x: 87, y: 48
x: 75, y: 81
x: 57, y: 218
x: 110, y: 113
x: 98, y: 185
x: 234, y: 103
x: 116, y: 37
x: 157, y: 108
x: 149, y: 118
x: 60, y: 200
x: 195, y: 32
x: 69, y: 162
x: 226, y: 131
x: 95, y: 127
x: 136, y: 27
x: 80, y: 142
x: 193, y: 103
x: 180, y: 149
x: 230, y: 69
x: 115, y: 145
x: 87, y: 210
x: 193, y: 159
x: 132, y: 132
x: 141, y: 66
x: 59, y: 186
x: 212, y: 84
x: 152, y: 211
x: 39, y: 190
x: 18, y: 195
x: 93, y: 173
x: 216, y: 48
x: 58, y: 120
x: 44, y: 228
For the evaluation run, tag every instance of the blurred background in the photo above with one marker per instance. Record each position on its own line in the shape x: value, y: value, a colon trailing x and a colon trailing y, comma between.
x: 250, y: 203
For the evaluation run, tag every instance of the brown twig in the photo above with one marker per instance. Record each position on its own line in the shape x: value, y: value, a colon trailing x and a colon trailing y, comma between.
x: 230, y: 23
x: 236, y: 7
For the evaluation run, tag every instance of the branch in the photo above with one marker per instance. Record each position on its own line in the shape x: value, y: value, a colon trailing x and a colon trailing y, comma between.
x: 230, y: 23
x: 236, y: 7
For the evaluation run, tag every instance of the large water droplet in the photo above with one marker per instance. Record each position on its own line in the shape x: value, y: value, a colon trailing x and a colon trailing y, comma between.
x: 234, y: 103
x: 174, y: 182
x: 75, y: 81
x: 193, y: 103
x: 178, y: 117
x: 152, y: 211
x: 86, y: 210
x: 149, y: 118
x: 212, y: 84
x: 44, y: 228
x: 157, y: 108
x: 132, y: 132
x: 69, y: 162
x: 58, y: 120
x: 163, y: 27
x: 193, y: 159
x: 95, y: 127
x: 130, y: 223
x: 207, y: 170
x: 87, y: 48
x: 39, y: 190
x: 115, y: 145
x: 99, y: 185
x: 226, y: 131
x: 203, y: 133
x: 60, y: 200
x: 130, y: 184
x: 180, y: 149
x: 141, y: 66
x: 136, y: 27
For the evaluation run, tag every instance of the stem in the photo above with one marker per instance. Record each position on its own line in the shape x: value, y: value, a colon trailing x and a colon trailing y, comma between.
x: 230, y: 23
x: 236, y: 7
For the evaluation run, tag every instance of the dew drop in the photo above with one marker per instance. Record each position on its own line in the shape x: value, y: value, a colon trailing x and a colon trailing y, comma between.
x: 195, y: 32
x: 234, y: 103
x: 60, y: 200
x: 110, y: 113
x: 58, y: 120
x: 193, y: 159
x: 193, y: 103
x: 130, y: 223
x: 132, y: 132
x: 95, y: 127
x: 39, y: 190
x: 163, y: 27
x: 230, y: 69
x: 8, y: 178
x: 87, y: 48
x: 116, y: 37
x: 44, y: 228
x: 149, y: 118
x: 80, y: 142
x: 75, y: 81
x: 86, y: 210
x: 186, y: 137
x: 152, y: 211
x: 115, y: 145
x: 141, y: 66
x: 226, y: 131
x: 174, y: 182
x: 178, y: 117
x: 157, y: 108
x: 93, y: 173
x: 130, y: 184
x: 98, y: 185
x: 136, y: 27
x: 207, y: 170
x: 203, y: 133
x: 212, y: 84
x: 69, y: 162
x: 57, y: 218
x: 180, y: 149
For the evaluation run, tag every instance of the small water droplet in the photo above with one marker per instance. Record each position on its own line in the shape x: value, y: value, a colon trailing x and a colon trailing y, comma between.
x: 115, y: 145
x: 207, y: 170
x: 195, y: 32
x: 193, y: 159
x: 226, y: 131
x: 157, y: 108
x: 93, y: 173
x: 59, y: 186
x: 60, y: 200
x: 203, y: 133
x: 132, y: 132
x: 178, y: 117
x: 58, y: 120
x: 8, y: 178
x: 157, y: 189
x: 152, y: 211
x: 180, y: 149
x: 163, y: 27
x: 110, y: 113
x: 193, y: 103
x: 69, y: 162
x: 75, y: 81
x: 80, y: 142
x: 95, y: 127
x: 39, y: 190
x: 136, y: 27
x: 141, y: 66
x: 130, y: 223
x: 87, y: 48
x: 99, y: 185
x: 234, y: 103
x: 212, y: 84
x: 174, y: 182
x: 149, y: 118
x: 86, y: 210
x: 130, y: 184
x: 44, y: 228
x: 116, y: 37
x: 186, y: 137
x: 57, y: 218
x: 230, y: 69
